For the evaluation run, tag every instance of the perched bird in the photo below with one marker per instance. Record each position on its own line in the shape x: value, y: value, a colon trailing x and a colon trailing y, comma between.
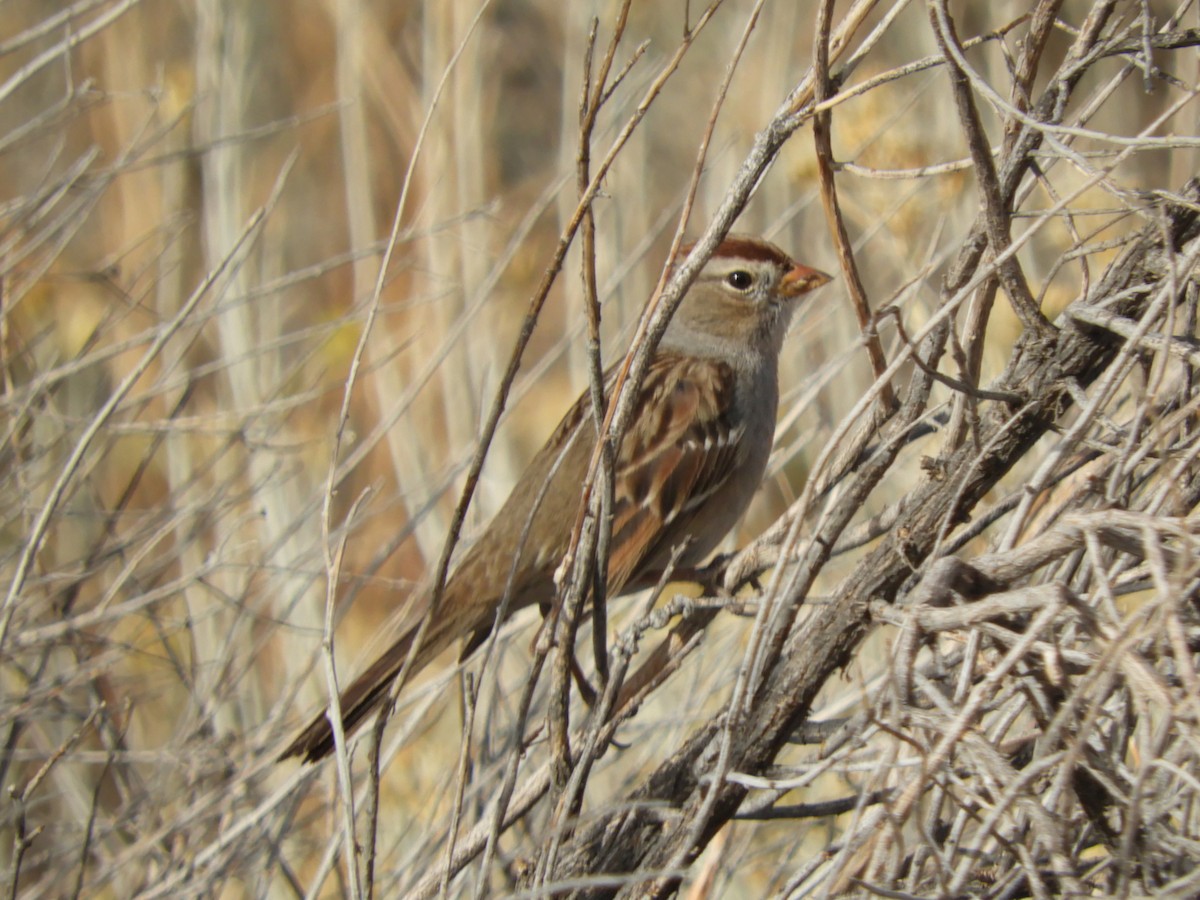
x: 685, y: 471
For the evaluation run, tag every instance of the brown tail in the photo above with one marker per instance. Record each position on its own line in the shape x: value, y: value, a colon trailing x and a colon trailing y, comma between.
x: 368, y: 691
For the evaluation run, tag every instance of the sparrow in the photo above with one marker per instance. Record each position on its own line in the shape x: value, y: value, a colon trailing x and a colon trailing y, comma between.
x: 685, y: 470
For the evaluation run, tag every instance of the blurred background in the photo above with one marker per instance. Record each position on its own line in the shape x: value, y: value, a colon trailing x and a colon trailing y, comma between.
x: 209, y: 209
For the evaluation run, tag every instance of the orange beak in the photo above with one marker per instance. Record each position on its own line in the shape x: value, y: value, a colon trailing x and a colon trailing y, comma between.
x: 801, y: 279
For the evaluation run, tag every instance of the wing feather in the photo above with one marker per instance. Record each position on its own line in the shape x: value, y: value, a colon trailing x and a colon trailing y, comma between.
x: 679, y: 451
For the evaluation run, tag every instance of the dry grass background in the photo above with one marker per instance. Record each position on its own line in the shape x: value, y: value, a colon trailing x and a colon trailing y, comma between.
x: 225, y: 224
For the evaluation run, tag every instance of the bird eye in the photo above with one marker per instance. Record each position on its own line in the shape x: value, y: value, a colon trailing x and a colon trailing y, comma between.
x: 739, y: 280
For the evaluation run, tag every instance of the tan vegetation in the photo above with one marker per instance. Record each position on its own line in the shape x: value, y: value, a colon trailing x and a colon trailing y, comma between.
x: 263, y: 267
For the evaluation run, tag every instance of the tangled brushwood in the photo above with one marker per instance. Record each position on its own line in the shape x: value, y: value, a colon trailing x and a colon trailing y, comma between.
x: 287, y: 302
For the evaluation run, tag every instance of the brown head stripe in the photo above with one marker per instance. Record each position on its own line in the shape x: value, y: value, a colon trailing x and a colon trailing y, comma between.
x: 746, y: 248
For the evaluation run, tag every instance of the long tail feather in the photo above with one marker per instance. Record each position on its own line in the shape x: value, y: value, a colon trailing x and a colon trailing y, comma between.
x: 367, y: 692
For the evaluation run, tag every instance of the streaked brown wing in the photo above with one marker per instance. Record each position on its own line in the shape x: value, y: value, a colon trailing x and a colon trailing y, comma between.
x: 679, y: 450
